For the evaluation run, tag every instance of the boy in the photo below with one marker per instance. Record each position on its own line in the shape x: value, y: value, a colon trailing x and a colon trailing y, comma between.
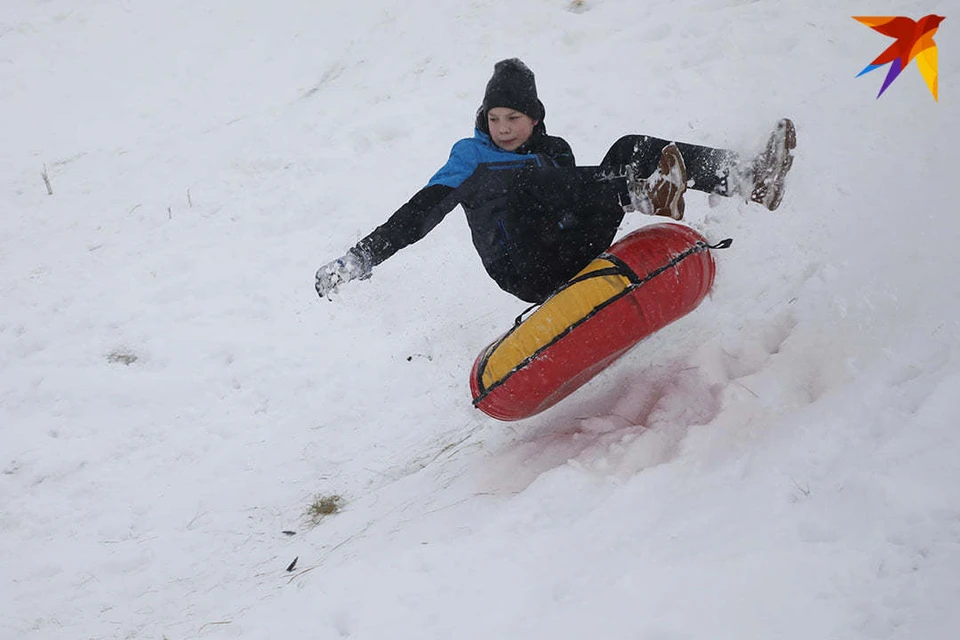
x: 537, y: 219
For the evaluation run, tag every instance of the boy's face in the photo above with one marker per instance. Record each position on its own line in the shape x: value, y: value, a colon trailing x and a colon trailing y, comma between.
x: 509, y: 129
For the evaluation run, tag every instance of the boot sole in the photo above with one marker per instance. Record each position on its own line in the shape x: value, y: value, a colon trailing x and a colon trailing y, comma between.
x: 672, y: 164
x: 788, y: 133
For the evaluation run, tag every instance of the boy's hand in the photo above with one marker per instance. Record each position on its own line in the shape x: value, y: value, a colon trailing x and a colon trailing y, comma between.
x: 353, y: 265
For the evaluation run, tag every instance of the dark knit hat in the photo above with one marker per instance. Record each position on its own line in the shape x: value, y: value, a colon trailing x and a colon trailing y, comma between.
x: 513, y: 86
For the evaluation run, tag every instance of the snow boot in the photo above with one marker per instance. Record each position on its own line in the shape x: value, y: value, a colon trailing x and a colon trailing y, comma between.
x: 660, y: 194
x: 764, y: 179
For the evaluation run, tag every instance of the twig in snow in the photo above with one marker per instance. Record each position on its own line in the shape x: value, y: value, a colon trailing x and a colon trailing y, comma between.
x: 46, y: 180
x: 189, y: 200
x: 752, y: 392
x: 805, y: 490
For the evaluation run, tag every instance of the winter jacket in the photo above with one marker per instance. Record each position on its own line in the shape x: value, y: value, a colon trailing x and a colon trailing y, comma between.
x: 524, y: 209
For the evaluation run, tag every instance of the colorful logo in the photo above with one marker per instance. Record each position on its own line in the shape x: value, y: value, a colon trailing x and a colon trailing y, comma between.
x: 914, y: 40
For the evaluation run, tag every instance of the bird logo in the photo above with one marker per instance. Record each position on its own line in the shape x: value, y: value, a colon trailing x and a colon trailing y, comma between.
x: 914, y: 39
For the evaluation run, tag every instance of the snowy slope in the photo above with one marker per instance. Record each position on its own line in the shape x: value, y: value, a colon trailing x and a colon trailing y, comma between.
x: 782, y: 463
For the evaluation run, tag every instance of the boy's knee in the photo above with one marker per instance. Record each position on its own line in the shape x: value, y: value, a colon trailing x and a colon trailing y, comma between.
x: 629, y: 143
x: 627, y: 148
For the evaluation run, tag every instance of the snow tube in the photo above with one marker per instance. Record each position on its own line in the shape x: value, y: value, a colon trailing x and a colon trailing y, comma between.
x: 650, y: 278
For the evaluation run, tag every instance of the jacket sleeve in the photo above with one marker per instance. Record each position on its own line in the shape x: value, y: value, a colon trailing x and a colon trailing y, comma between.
x: 409, y: 223
x: 461, y: 164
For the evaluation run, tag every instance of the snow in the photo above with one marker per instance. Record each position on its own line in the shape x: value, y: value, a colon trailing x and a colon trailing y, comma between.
x: 173, y: 395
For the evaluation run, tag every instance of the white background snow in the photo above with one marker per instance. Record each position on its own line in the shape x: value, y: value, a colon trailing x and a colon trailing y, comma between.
x: 782, y: 463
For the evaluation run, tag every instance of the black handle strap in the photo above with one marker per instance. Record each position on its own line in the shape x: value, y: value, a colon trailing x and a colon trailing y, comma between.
x: 599, y: 273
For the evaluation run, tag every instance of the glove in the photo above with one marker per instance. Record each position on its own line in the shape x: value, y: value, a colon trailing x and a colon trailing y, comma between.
x: 355, y: 264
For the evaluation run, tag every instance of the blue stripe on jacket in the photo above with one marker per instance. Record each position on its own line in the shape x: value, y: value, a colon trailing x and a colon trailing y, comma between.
x: 469, y: 153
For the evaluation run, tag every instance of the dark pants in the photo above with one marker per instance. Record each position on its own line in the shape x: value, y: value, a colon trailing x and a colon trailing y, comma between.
x: 536, y: 227
x: 707, y: 168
